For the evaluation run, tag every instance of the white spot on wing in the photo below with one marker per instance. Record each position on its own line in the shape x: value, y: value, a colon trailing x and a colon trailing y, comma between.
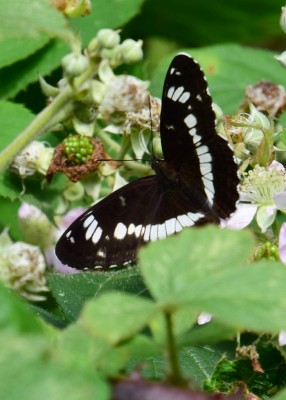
x: 195, y: 217
x: 178, y: 226
x: 139, y: 231
x: 88, y: 221
x: 123, y: 201
x: 131, y: 229
x: 147, y: 233
x: 205, y: 158
x: 206, y: 168
x: 202, y: 150
x: 185, y: 97
x: 154, y: 233
x: 97, y: 235
x: 178, y: 93
x: 197, y: 139
x: 91, y: 229
x: 162, y: 231
x: 120, y: 231
x: 170, y: 92
x: 190, y: 121
x: 185, y: 220
x: 101, y: 253
x: 170, y: 226
x: 68, y: 233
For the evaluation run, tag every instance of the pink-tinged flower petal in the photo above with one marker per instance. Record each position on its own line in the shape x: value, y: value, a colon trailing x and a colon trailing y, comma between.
x: 265, y: 216
x: 71, y: 216
x: 276, y: 165
x: 241, y: 217
x: 280, y: 201
x: 53, y: 260
x: 282, y: 338
x: 282, y: 243
x: 204, y: 318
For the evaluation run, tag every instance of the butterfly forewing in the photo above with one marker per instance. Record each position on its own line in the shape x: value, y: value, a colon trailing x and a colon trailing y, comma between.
x: 189, y: 139
x: 196, y: 183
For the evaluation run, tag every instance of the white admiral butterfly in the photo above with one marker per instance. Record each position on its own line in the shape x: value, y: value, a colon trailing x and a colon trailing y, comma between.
x: 195, y: 183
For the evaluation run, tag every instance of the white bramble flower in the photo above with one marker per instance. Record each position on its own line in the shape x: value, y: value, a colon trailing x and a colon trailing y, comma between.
x: 22, y: 268
x: 35, y: 157
x: 262, y: 192
x: 36, y: 227
x: 122, y: 94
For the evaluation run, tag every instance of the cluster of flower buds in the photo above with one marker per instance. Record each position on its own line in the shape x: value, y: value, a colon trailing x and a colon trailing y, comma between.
x: 22, y: 268
x: 251, y: 135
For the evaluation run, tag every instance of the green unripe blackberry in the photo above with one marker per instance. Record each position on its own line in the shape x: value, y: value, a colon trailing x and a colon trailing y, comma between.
x: 77, y: 149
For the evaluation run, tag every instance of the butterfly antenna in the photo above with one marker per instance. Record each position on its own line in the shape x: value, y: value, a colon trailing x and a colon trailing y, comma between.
x: 151, y: 123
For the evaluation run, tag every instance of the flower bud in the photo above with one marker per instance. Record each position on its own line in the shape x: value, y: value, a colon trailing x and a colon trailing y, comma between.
x: 74, y: 191
x: 108, y: 38
x: 22, y: 268
x: 36, y: 157
x: 131, y: 51
x: 36, y: 227
x: 283, y: 19
x: 258, y: 118
x: 282, y: 59
x: 73, y: 8
x: 47, y: 89
x: 74, y: 65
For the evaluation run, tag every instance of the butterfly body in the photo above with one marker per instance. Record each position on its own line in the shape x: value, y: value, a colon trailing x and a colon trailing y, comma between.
x: 195, y: 183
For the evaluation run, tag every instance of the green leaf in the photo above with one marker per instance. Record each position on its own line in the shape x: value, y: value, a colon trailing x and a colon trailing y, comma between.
x: 212, y: 332
x: 22, y: 18
x: 40, y: 375
x: 112, y: 14
x: 42, y: 62
x: 171, y: 266
x: 229, y: 69
x: 245, y: 296
x: 71, y: 291
x: 236, y: 21
x: 14, y: 118
x: 15, y: 314
x: 117, y: 316
x: 12, y: 50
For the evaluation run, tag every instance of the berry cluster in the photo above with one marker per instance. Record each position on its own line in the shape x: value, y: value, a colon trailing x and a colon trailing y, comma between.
x: 78, y: 149
x: 267, y: 251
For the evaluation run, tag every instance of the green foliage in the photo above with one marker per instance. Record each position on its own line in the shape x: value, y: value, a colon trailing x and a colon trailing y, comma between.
x: 229, y: 69
x: 111, y: 332
x: 95, y: 327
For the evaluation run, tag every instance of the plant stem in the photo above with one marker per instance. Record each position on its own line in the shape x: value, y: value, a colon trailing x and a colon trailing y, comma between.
x: 175, y: 376
x: 44, y: 118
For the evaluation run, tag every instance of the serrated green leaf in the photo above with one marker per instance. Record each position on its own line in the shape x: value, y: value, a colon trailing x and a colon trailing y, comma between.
x: 112, y: 14
x: 104, y: 15
x: 40, y: 375
x: 170, y: 267
x: 117, y: 316
x: 209, y: 333
x: 15, y: 314
x: 72, y: 291
x: 12, y: 50
x: 245, y: 296
x: 14, y: 118
x: 42, y: 62
x: 22, y: 18
x: 229, y: 69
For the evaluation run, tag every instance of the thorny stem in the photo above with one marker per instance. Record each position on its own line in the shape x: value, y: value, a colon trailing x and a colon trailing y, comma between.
x: 43, y: 120
x: 175, y: 376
